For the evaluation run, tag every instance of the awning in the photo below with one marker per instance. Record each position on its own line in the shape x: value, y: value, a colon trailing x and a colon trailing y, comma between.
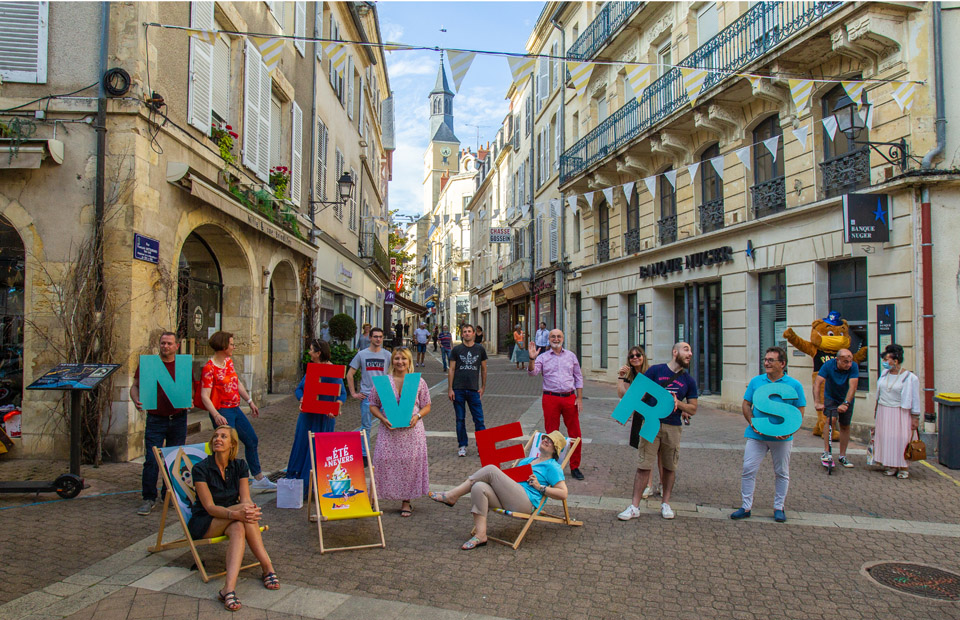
x: 30, y: 153
x: 408, y: 305
x: 517, y: 290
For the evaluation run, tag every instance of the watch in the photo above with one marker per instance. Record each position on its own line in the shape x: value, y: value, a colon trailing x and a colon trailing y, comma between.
x: 846, y: 402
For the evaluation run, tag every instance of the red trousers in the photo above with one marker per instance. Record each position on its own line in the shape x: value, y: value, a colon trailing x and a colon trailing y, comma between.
x: 554, y: 408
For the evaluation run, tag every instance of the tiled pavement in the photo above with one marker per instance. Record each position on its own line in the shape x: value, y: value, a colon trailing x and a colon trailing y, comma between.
x: 87, y: 556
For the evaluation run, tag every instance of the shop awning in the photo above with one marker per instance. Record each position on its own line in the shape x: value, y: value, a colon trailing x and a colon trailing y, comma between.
x: 30, y: 153
x: 518, y: 289
x: 409, y: 306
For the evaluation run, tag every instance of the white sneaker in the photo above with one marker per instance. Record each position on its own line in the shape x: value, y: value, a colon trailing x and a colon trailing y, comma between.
x: 666, y: 512
x: 462, y: 451
x: 263, y: 484
x: 632, y: 512
x: 647, y: 492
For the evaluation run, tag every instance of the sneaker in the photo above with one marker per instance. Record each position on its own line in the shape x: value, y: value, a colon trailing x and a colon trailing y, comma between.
x: 263, y: 484
x: 631, y: 512
x: 779, y: 516
x: 647, y: 492
x: 666, y: 512
x: 740, y: 513
x: 826, y: 458
x: 146, y: 507
x: 843, y: 461
x: 462, y: 451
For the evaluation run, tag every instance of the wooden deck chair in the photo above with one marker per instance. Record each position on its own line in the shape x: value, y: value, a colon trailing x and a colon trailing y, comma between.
x: 176, y: 464
x: 533, y: 449
x: 338, y: 469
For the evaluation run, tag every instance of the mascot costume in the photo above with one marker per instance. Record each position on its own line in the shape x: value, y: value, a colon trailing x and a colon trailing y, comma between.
x: 827, y: 336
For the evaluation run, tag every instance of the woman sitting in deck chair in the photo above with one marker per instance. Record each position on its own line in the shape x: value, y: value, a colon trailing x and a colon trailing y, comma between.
x: 223, y: 506
x: 489, y: 488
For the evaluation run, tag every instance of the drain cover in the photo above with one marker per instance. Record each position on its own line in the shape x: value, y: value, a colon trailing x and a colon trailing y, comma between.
x: 916, y: 579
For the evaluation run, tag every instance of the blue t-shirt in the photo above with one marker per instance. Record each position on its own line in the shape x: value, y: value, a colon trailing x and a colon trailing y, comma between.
x: 837, y: 381
x: 754, y: 385
x: 548, y: 473
x: 683, y: 387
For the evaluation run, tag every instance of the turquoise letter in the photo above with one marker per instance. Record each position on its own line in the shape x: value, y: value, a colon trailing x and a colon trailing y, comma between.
x: 400, y: 413
x: 154, y: 373
x: 633, y: 401
x: 764, y: 406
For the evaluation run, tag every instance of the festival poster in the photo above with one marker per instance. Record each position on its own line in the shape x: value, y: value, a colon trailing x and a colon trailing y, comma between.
x: 341, y: 478
x: 179, y: 462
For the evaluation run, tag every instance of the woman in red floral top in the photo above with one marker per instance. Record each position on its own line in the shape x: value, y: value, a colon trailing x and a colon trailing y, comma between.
x: 219, y: 376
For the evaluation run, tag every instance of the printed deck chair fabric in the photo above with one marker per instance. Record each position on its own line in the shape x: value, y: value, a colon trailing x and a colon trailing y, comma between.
x: 338, y: 484
x: 176, y: 466
x: 533, y: 449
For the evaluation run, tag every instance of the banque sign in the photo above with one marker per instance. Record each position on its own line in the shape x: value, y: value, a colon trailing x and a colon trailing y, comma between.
x: 691, y: 261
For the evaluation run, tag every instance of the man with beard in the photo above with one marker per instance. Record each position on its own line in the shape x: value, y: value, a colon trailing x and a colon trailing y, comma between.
x: 673, y: 377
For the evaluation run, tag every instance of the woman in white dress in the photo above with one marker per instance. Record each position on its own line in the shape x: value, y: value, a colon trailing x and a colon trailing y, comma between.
x: 898, y: 412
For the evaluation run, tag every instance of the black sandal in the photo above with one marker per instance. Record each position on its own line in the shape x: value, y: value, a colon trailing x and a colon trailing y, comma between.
x: 271, y: 581
x: 230, y: 600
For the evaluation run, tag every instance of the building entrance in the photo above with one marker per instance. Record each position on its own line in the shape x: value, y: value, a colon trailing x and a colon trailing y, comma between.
x: 697, y: 311
x: 12, y: 255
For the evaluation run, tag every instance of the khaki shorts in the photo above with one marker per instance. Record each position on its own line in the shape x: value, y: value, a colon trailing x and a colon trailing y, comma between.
x: 666, y: 445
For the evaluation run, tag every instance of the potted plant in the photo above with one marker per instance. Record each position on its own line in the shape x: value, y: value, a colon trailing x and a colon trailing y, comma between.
x: 224, y: 138
x: 280, y: 181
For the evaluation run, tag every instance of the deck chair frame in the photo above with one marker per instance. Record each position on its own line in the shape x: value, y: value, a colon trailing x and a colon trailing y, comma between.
x: 313, y: 507
x: 187, y: 540
x: 538, y: 514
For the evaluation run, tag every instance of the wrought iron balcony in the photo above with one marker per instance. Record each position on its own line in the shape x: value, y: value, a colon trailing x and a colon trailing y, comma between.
x: 769, y: 197
x: 611, y: 17
x: 846, y: 173
x: 517, y: 271
x: 603, y: 251
x: 763, y: 27
x: 631, y: 241
x: 711, y: 215
x: 667, y: 229
x: 370, y: 247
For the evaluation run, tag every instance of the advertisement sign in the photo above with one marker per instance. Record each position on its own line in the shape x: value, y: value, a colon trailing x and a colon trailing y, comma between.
x: 390, y: 298
x: 399, y: 282
x: 886, y: 328
x: 500, y: 235
x: 866, y: 218
x: 342, y: 485
x: 73, y: 377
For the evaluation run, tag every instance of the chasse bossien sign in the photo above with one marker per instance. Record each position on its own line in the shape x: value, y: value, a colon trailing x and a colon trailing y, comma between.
x: 696, y: 260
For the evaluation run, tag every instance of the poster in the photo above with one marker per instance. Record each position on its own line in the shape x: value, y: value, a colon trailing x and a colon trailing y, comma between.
x: 73, y: 377
x: 341, y: 480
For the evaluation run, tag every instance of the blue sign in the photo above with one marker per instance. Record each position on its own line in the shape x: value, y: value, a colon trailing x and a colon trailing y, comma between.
x: 390, y: 297
x: 146, y: 249
x: 431, y: 304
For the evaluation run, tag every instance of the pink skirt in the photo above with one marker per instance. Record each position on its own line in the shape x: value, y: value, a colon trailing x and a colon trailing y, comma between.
x: 891, y: 436
x: 400, y: 463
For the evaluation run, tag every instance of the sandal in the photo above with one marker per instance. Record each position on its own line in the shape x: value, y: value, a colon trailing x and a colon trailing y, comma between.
x: 889, y: 472
x: 405, y: 513
x: 230, y: 600
x: 472, y: 544
x: 903, y: 474
x: 439, y: 497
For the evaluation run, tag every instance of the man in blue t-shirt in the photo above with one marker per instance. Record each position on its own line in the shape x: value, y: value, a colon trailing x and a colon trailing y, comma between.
x: 774, y: 367
x: 838, y: 379
x: 674, y: 378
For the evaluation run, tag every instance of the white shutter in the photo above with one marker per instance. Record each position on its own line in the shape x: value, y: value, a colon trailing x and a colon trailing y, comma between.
x: 300, y: 25
x: 266, y: 91
x: 360, y: 117
x: 221, y: 78
x: 554, y: 237
x: 320, y: 191
x: 338, y: 206
x: 538, y: 255
x: 353, y: 203
x: 555, y: 52
x: 350, y: 87
x: 251, y: 107
x: 318, y: 30
x: 556, y: 151
x: 23, y: 42
x: 296, y: 157
x: 200, y: 92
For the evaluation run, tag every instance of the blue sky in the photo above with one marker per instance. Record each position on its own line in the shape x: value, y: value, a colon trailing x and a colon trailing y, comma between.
x: 500, y: 26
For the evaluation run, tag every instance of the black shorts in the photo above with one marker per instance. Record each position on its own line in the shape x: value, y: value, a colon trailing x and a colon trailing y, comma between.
x: 830, y: 410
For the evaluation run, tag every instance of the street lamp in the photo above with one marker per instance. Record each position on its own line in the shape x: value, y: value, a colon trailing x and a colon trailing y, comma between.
x: 344, y: 188
x: 851, y: 124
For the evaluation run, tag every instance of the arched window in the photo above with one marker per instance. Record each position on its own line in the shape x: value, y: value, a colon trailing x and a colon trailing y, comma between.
x: 12, y: 256
x: 199, y: 293
x: 769, y: 190
x: 668, y: 209
x: 711, y: 192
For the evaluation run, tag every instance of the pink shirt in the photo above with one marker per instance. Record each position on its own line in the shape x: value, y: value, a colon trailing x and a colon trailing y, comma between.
x: 561, y: 372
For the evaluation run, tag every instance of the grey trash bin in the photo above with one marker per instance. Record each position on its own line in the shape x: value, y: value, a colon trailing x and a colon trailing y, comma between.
x: 948, y: 444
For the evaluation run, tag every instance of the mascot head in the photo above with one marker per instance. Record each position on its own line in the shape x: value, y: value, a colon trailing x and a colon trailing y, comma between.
x: 830, y: 334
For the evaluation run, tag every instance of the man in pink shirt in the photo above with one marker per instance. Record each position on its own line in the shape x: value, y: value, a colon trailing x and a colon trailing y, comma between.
x: 562, y: 380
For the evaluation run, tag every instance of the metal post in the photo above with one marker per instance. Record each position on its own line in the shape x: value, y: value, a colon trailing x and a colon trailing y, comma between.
x: 75, y: 411
x: 695, y: 332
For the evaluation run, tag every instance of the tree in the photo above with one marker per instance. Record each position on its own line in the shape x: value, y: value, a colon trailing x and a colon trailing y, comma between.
x: 405, y: 261
x: 343, y: 328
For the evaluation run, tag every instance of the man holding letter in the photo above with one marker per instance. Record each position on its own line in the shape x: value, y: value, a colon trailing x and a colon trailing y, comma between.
x: 769, y: 396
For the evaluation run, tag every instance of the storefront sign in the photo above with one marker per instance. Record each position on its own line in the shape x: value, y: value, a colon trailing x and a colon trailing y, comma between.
x: 146, y: 249
x: 431, y: 304
x: 886, y: 328
x: 344, y: 275
x: 500, y: 235
x: 545, y: 284
x: 391, y: 297
x: 499, y: 298
x: 463, y: 305
x: 696, y: 260
x: 866, y: 218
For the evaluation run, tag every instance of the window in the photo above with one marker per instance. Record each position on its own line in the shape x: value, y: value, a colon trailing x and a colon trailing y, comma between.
x: 708, y: 23
x: 604, y: 335
x: 603, y: 109
x: 556, y: 143
x: 320, y: 191
x: 846, y: 166
x: 633, y: 322
x: 633, y: 209
x: 576, y: 33
x: 23, y: 41
x: 300, y: 25
x: 769, y: 191
x: 221, y: 79
x: 668, y: 209
x: 711, y: 192
x: 276, y: 127
x: 576, y: 126
x: 351, y: 103
x: 256, y: 117
x: 543, y: 82
x: 555, y: 66
x: 538, y: 241
x: 576, y: 232
x: 335, y: 75
x: 847, y: 283
x: 664, y: 59
x: 528, y: 115
x: 200, y: 91
x: 628, y: 93
x: 539, y: 152
x: 773, y: 311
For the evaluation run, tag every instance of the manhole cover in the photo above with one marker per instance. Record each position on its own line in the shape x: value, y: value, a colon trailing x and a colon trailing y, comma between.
x: 916, y: 580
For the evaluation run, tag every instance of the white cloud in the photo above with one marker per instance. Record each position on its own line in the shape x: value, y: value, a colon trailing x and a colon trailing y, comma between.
x: 408, y: 64
x: 391, y: 32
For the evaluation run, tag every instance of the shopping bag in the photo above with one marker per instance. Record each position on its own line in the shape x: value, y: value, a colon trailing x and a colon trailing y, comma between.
x: 290, y: 493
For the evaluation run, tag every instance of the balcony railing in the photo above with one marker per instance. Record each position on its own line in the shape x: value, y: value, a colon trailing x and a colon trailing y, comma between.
x: 430, y: 292
x: 846, y: 173
x: 769, y: 197
x: 611, y: 17
x: 370, y: 248
x: 603, y: 251
x: 631, y: 241
x: 517, y: 271
x: 711, y: 215
x: 762, y: 28
x: 667, y: 229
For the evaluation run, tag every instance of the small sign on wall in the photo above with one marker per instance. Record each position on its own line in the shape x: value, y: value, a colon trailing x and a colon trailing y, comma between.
x: 146, y: 249
x: 886, y: 329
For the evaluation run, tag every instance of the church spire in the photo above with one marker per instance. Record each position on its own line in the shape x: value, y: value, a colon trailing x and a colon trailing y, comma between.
x: 441, y: 109
x: 441, y: 87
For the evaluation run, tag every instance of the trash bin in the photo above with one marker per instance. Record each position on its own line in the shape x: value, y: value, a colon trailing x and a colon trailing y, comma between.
x: 948, y: 444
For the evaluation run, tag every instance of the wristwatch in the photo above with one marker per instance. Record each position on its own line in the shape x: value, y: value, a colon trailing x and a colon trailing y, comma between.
x: 846, y: 402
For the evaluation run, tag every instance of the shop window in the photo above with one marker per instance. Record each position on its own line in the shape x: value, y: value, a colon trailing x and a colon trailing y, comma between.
x: 773, y: 310
x: 12, y: 257
x: 604, y: 332
x: 847, y: 281
x: 199, y: 294
x: 769, y: 192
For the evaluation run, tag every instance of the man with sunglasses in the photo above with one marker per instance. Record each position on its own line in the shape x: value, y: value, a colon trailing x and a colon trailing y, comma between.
x: 372, y: 361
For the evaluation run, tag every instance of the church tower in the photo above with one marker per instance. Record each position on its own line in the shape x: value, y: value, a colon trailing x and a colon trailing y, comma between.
x: 443, y: 151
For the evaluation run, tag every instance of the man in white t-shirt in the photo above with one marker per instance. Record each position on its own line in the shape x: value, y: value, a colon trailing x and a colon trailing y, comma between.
x: 372, y: 361
x: 420, y: 337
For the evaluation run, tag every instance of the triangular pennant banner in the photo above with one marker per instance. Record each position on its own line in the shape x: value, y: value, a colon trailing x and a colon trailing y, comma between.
x: 693, y: 82
x: 651, y: 183
x: 572, y: 201
x: 525, y: 209
x: 459, y: 64
x: 207, y: 36
x: 692, y: 169
x: 470, y: 216
x: 589, y: 198
x: 744, y: 156
x: 392, y: 47
x: 271, y: 50
x: 580, y: 73
x: 496, y: 212
x: 672, y: 177
x: 800, y: 91
x: 854, y: 91
x: 628, y: 191
x: 830, y: 125
x: 800, y: 133
x: 446, y: 220
x: 639, y: 78
x: 520, y: 66
x: 754, y: 81
x: 456, y: 218
x: 903, y: 94
x: 608, y: 194
x: 336, y: 52
x: 717, y: 163
x: 436, y: 220
x: 772, y: 144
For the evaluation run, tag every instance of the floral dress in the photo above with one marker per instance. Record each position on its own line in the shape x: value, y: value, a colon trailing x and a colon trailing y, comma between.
x: 400, y: 457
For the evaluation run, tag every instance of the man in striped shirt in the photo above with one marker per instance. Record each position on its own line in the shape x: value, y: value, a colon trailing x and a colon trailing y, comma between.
x: 445, y: 338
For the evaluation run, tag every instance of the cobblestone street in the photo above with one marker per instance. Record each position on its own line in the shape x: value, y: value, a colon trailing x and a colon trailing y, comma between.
x: 87, y: 558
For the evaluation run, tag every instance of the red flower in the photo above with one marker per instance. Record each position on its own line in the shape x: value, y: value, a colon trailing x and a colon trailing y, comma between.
x: 234, y: 134
x: 229, y: 127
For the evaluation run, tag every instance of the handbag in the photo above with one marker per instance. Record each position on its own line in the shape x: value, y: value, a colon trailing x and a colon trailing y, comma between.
x: 290, y: 493
x: 916, y: 450
x: 638, y: 419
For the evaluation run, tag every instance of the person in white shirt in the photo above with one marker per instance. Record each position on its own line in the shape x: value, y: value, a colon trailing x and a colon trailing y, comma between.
x: 542, y: 338
x: 420, y: 337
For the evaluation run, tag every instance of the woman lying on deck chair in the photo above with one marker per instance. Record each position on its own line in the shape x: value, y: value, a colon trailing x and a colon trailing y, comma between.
x: 224, y: 506
x: 491, y: 488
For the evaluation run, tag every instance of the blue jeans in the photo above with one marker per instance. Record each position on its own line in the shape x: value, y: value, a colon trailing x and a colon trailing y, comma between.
x: 444, y: 356
x: 159, y: 431
x: 248, y: 437
x: 461, y: 398
x: 366, y: 420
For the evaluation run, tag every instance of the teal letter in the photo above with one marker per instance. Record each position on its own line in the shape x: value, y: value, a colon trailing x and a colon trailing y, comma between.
x: 764, y: 406
x: 153, y: 373
x: 399, y: 413
x: 633, y: 401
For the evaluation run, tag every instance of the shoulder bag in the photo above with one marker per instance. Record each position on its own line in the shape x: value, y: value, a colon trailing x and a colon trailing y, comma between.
x: 916, y: 450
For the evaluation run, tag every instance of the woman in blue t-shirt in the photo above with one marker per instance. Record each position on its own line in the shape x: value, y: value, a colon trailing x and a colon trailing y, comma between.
x: 489, y: 488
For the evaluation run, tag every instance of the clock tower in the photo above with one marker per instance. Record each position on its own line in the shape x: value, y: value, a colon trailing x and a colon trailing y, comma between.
x: 443, y: 152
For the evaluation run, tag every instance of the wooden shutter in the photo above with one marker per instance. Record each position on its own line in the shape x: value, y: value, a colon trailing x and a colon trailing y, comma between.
x: 555, y: 52
x: 221, y: 78
x: 350, y: 87
x: 360, y: 114
x: 320, y: 191
x: 538, y: 253
x: 554, y: 234
x: 300, y: 25
x: 251, y: 107
x: 338, y: 207
x: 200, y: 91
x: 266, y: 92
x: 318, y: 30
x: 23, y: 42
x: 296, y: 156
x: 556, y: 150
x: 353, y: 203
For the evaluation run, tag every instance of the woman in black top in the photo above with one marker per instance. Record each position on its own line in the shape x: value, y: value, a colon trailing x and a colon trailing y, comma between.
x: 479, y: 336
x: 223, y: 506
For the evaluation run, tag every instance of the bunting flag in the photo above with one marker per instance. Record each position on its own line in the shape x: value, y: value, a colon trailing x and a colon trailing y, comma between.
x: 801, y: 90
x: 692, y: 170
x: 693, y: 82
x: 446, y: 220
x: 525, y: 209
x: 496, y: 212
x: 470, y: 216
x: 459, y: 64
x: 639, y: 78
x: 628, y: 191
x: 672, y: 177
x: 336, y: 52
x: 744, y: 156
x: 580, y: 73
x: 572, y: 201
x: 855, y: 92
x: 393, y: 47
x: 520, y: 66
x: 754, y: 81
x: 270, y: 49
x: 830, y: 125
x: 651, y: 183
x: 772, y: 144
x: 608, y: 194
x: 589, y: 198
x: 800, y: 133
x: 717, y: 163
x: 436, y: 220
x: 903, y: 94
x: 456, y: 218
x: 207, y: 36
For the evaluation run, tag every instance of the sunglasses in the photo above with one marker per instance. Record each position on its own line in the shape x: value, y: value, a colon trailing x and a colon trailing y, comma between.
x: 636, y: 356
